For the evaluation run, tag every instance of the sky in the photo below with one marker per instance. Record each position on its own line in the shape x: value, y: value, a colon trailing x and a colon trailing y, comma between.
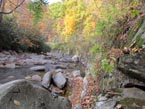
x: 53, y: 1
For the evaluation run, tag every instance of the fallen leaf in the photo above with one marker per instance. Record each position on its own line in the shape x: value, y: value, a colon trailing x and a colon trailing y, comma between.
x: 17, y: 103
x: 119, y: 106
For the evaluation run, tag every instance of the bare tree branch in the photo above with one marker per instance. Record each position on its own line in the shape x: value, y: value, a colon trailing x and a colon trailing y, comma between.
x: 3, y: 12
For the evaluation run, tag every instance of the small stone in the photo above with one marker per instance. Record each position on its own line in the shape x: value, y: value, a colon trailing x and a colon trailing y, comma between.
x: 102, y: 98
x: 12, y: 59
x: 78, y: 106
x: 11, y: 77
x: 10, y: 65
x: 59, y: 80
x: 83, y: 94
x: 38, y: 68
x: 1, y: 66
x: 36, y: 78
x: 76, y: 58
x: 76, y: 73
x: 28, y: 78
x: 98, y: 104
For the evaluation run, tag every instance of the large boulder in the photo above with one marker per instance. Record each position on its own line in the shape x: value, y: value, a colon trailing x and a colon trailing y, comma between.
x: 46, y: 81
x: 133, y: 93
x: 59, y: 80
x: 133, y: 66
x: 21, y: 94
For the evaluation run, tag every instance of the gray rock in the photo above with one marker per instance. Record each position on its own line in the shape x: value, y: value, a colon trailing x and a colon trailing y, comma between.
x: 21, y: 94
x: 49, y: 67
x: 12, y: 59
x: 133, y: 66
x: 6, y: 52
x: 58, y: 70
x: 2, y: 55
x: 76, y: 73
x: 10, y: 65
x: 38, y: 68
x: 133, y: 93
x: 76, y: 58
x: 85, y: 83
x: 109, y: 104
x: 102, y: 98
x: 143, y: 36
x: 46, y: 79
x: 83, y: 94
x: 59, y: 80
x: 36, y: 78
x: 98, y: 104
x: 78, y: 106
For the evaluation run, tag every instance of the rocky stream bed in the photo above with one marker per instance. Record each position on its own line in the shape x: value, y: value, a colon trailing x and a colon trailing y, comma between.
x: 56, y: 81
x: 52, y: 72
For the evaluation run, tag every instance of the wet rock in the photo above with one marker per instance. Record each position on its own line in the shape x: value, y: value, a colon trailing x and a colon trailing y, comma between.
x: 38, y: 68
x: 10, y: 65
x: 21, y: 94
x: 36, y: 78
x: 76, y: 73
x: 46, y: 79
x: 59, y: 80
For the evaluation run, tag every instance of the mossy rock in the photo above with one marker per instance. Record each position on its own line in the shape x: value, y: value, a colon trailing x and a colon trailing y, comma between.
x: 132, y: 103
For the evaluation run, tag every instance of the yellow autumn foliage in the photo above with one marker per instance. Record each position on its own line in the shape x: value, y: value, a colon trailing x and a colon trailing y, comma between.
x: 70, y: 22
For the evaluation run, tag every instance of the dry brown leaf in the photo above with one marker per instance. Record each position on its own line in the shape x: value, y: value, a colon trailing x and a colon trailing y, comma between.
x: 17, y: 103
x: 119, y: 106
